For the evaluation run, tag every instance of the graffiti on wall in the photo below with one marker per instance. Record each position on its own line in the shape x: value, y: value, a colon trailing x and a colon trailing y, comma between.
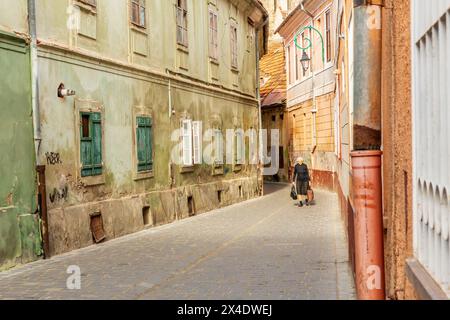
x: 53, y: 158
x: 60, y: 193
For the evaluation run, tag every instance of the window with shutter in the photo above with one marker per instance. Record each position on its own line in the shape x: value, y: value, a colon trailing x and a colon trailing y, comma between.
x: 234, y: 46
x: 328, y: 35
x: 213, y: 35
x: 90, y: 2
x: 144, y: 143
x: 91, y: 144
x: 138, y: 13
x: 218, y: 141
x: 187, y: 143
x: 197, y: 142
x: 182, y: 24
x: 239, y: 147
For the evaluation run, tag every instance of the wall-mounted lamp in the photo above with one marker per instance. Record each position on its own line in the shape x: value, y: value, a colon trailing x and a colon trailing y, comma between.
x: 63, y: 92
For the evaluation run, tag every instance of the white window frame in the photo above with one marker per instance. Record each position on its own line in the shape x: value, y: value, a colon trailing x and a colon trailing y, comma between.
x: 218, y: 147
x: 289, y: 64
x: 197, y: 135
x: 240, y: 147
x: 234, y: 45
x: 326, y: 42
x: 187, y: 143
x: 142, y: 13
x: 213, y: 34
x: 182, y: 23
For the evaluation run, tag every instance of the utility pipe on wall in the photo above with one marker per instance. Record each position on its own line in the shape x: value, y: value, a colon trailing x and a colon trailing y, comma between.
x: 258, y: 97
x: 366, y: 157
x: 34, y: 77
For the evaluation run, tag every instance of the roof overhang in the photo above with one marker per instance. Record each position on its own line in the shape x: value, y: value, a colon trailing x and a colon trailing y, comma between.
x: 297, y: 17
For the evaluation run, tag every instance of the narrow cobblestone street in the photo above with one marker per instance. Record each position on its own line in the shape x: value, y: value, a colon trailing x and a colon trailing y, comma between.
x: 261, y: 249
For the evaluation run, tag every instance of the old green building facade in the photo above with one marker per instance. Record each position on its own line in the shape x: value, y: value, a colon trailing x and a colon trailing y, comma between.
x: 20, y: 240
x: 142, y: 73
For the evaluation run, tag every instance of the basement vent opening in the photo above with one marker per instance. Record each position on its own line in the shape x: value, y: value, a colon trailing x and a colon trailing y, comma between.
x: 146, y: 216
x: 98, y: 233
x: 219, y: 196
x: 191, y: 206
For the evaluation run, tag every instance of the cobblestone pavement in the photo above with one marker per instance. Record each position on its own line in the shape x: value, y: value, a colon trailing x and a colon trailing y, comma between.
x: 265, y: 248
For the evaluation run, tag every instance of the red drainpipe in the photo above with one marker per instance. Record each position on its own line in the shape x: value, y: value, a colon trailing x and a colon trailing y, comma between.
x: 368, y: 222
x: 367, y: 157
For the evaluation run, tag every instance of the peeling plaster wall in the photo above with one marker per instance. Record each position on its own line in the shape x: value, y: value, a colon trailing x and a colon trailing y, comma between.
x: 109, y: 76
x: 13, y: 16
x: 20, y: 240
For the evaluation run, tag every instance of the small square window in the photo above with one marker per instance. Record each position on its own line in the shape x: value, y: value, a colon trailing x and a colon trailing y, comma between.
x: 85, y: 125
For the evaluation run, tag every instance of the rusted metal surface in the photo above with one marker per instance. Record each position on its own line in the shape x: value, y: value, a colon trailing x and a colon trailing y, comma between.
x: 368, y: 224
x: 366, y: 189
x: 42, y: 202
x: 366, y: 138
x: 367, y: 75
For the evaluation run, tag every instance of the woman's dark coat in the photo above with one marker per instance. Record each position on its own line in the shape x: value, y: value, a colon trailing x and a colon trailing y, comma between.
x: 301, y: 178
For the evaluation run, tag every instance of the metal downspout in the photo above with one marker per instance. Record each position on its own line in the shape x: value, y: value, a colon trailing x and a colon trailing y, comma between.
x: 367, y: 156
x: 34, y: 77
x: 258, y: 97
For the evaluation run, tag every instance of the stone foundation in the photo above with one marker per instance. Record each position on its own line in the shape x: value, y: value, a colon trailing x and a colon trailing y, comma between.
x: 69, y: 228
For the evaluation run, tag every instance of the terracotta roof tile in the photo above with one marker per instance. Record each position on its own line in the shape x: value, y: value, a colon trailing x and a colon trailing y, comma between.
x: 273, y: 75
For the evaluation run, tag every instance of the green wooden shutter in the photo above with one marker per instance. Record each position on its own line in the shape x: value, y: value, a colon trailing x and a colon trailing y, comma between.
x: 97, y: 156
x: 144, y: 146
x: 86, y: 147
x: 91, y: 146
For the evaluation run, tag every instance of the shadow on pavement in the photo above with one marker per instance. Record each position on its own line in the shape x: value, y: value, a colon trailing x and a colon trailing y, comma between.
x: 270, y: 188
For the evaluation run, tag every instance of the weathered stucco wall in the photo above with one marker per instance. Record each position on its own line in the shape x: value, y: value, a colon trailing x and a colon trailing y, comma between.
x: 107, y: 32
x: 13, y: 16
x: 122, y: 198
x: 121, y: 71
x: 19, y: 225
x: 109, y: 76
x: 397, y: 146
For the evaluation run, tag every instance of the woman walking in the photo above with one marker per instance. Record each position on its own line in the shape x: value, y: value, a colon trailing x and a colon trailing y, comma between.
x: 301, y: 181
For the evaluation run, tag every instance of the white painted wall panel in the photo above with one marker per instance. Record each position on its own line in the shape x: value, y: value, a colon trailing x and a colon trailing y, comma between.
x: 431, y: 120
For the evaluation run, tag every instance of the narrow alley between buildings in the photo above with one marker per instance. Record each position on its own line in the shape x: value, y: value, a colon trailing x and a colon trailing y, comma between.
x: 266, y: 248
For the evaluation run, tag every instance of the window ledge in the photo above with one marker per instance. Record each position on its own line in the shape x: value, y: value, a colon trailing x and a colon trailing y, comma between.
x: 214, y: 61
x: 189, y: 169
x: 93, y: 181
x: 235, y: 69
x: 138, y: 28
x: 237, y: 168
x: 182, y: 48
x: 425, y: 286
x: 145, y: 175
x: 218, y: 170
x: 86, y: 7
